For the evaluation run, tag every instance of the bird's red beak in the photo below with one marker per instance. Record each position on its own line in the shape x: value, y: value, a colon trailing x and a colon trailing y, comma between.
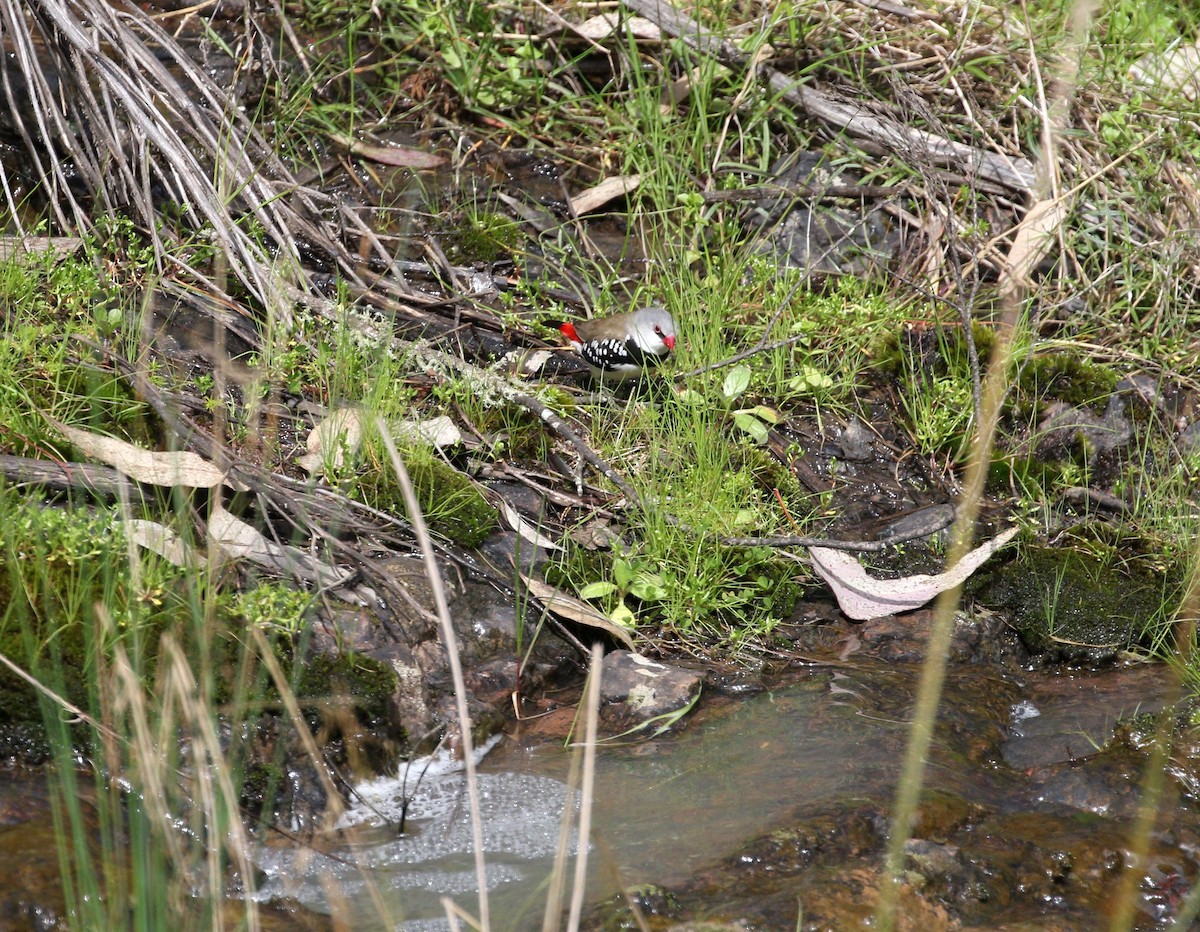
x: 670, y: 341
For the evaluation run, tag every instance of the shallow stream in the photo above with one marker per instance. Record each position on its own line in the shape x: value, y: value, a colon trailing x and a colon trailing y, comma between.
x: 750, y: 810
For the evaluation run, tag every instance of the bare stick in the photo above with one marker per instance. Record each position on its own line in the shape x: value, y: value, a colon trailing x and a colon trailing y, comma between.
x: 587, y: 789
x: 1013, y: 173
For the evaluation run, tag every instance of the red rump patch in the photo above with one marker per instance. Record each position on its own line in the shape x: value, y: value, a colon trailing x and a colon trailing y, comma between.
x: 568, y: 331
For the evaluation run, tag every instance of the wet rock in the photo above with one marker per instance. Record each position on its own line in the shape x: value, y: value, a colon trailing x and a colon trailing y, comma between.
x: 814, y: 236
x: 979, y: 636
x: 1188, y: 440
x: 648, y: 899
x: 931, y: 858
x: 1069, y: 716
x: 841, y: 832
x: 1071, y: 606
x: 507, y: 551
x: 635, y: 689
x: 1064, y: 426
x: 857, y: 442
x: 941, y: 814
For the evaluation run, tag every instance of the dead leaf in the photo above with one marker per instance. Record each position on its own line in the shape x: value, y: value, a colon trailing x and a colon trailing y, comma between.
x: 525, y: 529
x: 861, y: 596
x: 605, y: 191
x: 1179, y: 69
x: 595, y: 535
x: 338, y: 434
x: 169, y: 469
x: 439, y: 432
x: 557, y: 601
x: 399, y: 156
x: 160, y: 539
x: 1034, y: 239
x: 342, y: 431
x: 241, y: 541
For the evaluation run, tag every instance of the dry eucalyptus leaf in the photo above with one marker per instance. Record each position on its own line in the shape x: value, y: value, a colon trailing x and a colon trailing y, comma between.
x: 605, y: 191
x: 595, y: 535
x: 557, y: 601
x: 527, y: 531
x: 160, y: 539
x: 241, y: 541
x: 338, y: 434
x: 1034, y: 239
x: 439, y: 432
x: 861, y: 596
x: 169, y: 469
x: 1178, y: 69
x: 399, y: 156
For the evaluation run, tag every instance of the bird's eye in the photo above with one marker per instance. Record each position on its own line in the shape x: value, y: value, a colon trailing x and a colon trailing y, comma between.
x: 658, y: 330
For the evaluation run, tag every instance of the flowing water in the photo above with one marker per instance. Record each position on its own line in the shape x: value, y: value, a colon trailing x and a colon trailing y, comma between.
x: 681, y: 810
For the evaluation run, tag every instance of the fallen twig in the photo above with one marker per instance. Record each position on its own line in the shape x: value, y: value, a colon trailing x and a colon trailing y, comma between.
x: 1013, y: 173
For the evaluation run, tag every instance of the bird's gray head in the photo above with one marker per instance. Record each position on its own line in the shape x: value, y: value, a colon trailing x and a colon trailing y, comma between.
x: 653, y: 330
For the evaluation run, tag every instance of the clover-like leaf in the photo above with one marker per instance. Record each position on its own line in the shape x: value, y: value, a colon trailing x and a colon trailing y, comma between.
x: 597, y: 590
x: 737, y: 380
x: 622, y: 616
x: 751, y: 425
x: 648, y: 587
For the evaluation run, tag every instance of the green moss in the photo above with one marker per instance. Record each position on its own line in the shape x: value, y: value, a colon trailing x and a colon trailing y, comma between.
x: 451, y: 503
x: 1077, y: 604
x: 370, y: 683
x: 483, y: 237
x: 1066, y: 377
x: 933, y: 352
x: 59, y: 564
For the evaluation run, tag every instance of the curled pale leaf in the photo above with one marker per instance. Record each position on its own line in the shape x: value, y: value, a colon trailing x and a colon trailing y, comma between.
x: 398, y: 156
x: 160, y: 539
x: 329, y: 442
x: 605, y: 24
x: 608, y: 189
x: 239, y: 540
x: 525, y: 529
x: 1035, y: 237
x: 861, y: 596
x: 170, y: 468
x: 560, y: 603
x: 768, y: 415
x: 440, y: 431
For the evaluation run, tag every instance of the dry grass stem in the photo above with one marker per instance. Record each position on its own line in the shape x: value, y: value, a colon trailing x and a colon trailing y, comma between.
x: 450, y: 642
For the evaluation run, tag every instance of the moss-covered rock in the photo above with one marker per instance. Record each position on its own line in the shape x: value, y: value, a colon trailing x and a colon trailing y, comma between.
x: 1074, y: 605
x: 453, y: 505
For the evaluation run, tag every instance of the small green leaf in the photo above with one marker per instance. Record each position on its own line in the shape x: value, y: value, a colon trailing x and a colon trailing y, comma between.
x: 751, y: 425
x: 648, y: 587
x: 622, y: 616
x: 689, y: 396
x: 597, y: 590
x: 736, y: 382
x: 622, y: 573
x: 769, y: 415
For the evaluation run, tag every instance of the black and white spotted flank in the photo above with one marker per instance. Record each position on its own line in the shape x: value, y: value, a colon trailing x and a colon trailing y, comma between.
x: 623, y: 345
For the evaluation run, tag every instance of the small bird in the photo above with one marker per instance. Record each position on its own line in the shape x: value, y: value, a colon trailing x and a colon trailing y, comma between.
x: 622, y: 345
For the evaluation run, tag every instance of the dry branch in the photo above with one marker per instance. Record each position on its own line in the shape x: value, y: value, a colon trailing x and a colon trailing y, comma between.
x: 1016, y: 174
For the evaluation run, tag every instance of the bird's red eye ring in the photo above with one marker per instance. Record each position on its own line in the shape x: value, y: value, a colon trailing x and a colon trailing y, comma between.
x: 658, y: 330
